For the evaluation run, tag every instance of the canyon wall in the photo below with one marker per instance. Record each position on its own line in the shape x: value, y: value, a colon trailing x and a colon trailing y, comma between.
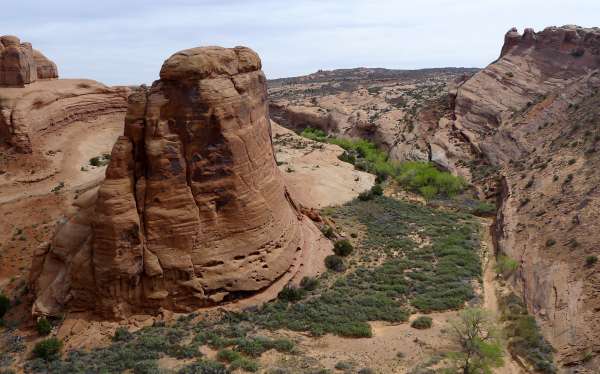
x: 532, y: 119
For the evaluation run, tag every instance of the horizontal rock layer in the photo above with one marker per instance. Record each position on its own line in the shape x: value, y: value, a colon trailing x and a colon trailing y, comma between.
x: 29, y: 111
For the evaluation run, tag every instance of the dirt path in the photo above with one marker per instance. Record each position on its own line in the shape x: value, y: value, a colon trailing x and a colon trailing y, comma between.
x: 490, y: 300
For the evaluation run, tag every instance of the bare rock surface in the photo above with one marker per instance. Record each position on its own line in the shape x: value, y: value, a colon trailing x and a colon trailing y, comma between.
x: 381, y: 105
x: 27, y: 113
x: 531, y: 119
x: 313, y: 172
x: 20, y: 64
x: 193, y: 211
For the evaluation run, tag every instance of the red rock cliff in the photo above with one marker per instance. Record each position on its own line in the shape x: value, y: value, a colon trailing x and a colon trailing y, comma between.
x: 193, y: 209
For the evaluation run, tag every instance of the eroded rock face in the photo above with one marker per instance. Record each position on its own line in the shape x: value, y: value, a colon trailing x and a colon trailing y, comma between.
x: 27, y: 112
x: 193, y: 210
x: 20, y: 64
x: 531, y: 118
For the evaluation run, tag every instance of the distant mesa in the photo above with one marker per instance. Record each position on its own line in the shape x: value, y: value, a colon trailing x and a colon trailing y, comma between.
x: 20, y: 64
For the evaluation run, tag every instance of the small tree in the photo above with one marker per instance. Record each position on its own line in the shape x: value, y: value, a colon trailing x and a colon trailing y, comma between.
x: 479, y: 342
x: 343, y: 248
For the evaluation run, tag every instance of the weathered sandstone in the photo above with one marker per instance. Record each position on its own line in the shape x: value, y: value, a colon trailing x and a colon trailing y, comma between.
x: 531, y: 117
x: 20, y: 64
x: 193, y: 211
x: 27, y: 113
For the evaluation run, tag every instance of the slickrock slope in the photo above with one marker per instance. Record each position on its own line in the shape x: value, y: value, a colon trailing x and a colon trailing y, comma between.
x: 313, y: 172
x: 32, y: 100
x: 193, y: 211
x: 378, y: 104
x: 20, y: 64
x: 27, y: 113
x: 532, y: 117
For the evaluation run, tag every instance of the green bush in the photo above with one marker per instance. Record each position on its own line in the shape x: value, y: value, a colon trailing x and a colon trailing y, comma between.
x: 122, y: 335
x: 309, y: 283
x: 377, y: 190
x: 422, y: 322
x: 291, y: 293
x: 328, y: 231
x: 524, y: 336
x: 483, y: 208
x: 506, y: 265
x: 335, y: 263
x: 43, y: 326
x: 425, y: 178
x: 365, y: 196
x: 48, y: 349
x: 4, y: 304
x: 343, y: 248
x: 314, y: 134
x: 591, y: 261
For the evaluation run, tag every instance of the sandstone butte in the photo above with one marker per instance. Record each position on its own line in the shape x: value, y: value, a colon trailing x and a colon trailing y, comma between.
x: 193, y: 211
x: 33, y: 100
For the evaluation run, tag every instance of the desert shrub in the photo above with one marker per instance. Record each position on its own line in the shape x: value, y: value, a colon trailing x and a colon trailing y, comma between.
x: 43, y: 326
x: 47, y: 349
x: 309, y: 283
x: 237, y: 361
x: 343, y: 248
x: 100, y: 160
x: 343, y: 365
x: 483, y: 208
x: 328, y: 231
x: 291, y: 293
x: 122, y: 335
x: 591, y: 261
x: 335, y: 263
x: 379, y: 288
x: 4, y: 304
x: 422, y: 322
x: 365, y: 196
x: 377, y: 190
x: 524, y: 336
x: 204, y: 367
x: 314, y: 134
x: 245, y: 364
x: 506, y: 266
x: 425, y: 178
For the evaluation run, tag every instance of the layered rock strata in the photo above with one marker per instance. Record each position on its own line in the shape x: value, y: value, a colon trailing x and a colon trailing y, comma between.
x: 531, y: 119
x: 193, y: 211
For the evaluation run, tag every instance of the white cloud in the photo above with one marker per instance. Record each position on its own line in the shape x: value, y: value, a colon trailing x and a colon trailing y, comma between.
x: 120, y: 42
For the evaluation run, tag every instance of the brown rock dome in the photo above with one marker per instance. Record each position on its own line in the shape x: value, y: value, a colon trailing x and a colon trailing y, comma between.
x: 193, y: 210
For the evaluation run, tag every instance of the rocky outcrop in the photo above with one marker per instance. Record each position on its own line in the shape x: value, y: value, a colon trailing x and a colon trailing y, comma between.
x: 27, y: 113
x: 193, y: 211
x: 531, y: 118
x: 46, y: 69
x: 20, y: 64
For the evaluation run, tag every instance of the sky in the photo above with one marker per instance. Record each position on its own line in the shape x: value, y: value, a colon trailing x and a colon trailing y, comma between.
x: 126, y: 41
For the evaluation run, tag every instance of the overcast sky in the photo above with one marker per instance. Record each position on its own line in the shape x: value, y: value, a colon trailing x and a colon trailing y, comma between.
x: 126, y: 41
